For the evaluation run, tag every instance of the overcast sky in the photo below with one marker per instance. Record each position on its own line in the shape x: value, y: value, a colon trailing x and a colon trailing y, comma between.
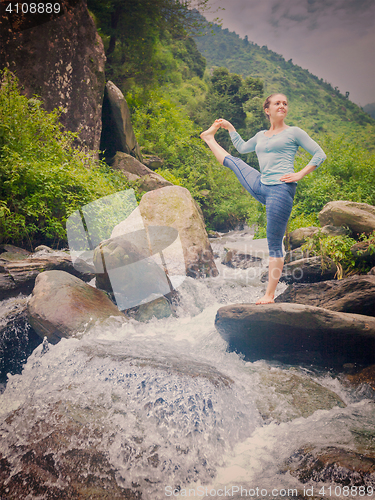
x: 333, y: 39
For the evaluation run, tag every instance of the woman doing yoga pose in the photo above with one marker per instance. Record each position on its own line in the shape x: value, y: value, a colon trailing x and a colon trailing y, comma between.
x: 275, y: 184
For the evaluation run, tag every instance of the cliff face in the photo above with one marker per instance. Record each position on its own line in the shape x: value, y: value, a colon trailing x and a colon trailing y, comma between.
x: 60, y: 58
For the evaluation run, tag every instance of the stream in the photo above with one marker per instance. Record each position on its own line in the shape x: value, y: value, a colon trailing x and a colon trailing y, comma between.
x: 173, y: 414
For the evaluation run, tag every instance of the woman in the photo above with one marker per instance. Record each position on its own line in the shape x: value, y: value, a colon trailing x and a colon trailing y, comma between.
x: 275, y: 184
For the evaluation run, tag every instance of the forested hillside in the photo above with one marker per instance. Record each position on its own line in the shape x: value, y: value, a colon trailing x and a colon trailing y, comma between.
x: 315, y: 105
x: 174, y: 93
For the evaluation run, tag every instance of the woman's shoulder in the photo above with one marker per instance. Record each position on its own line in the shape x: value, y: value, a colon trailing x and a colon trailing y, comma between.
x: 295, y: 129
x: 297, y: 132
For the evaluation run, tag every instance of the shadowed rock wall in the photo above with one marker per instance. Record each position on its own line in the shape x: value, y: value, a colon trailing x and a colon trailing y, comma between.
x: 61, y: 59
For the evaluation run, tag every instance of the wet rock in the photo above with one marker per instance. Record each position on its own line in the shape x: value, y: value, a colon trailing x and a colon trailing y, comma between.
x: 159, y: 308
x: 17, y: 338
x: 174, y: 207
x: 332, y: 465
x: 239, y: 259
x: 299, y: 236
x: 61, y: 461
x: 300, y: 396
x: 17, y: 275
x: 169, y: 364
x: 365, y: 376
x: 295, y: 332
x: 118, y: 134
x: 358, y: 217
x: 62, y: 61
x: 354, y: 294
x: 136, y: 171
x: 62, y: 305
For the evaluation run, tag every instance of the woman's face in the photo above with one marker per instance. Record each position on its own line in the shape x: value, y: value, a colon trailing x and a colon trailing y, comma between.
x: 278, y: 106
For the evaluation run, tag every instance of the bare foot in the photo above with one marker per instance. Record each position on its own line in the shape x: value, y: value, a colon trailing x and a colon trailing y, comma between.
x: 266, y: 299
x: 210, y: 132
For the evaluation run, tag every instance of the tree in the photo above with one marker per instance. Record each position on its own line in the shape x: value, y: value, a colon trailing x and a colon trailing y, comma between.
x: 237, y: 100
x: 131, y: 30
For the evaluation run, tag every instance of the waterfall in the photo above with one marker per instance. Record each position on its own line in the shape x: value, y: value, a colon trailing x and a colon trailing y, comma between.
x: 162, y: 409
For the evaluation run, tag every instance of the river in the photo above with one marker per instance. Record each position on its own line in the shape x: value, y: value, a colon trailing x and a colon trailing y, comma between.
x: 177, y: 415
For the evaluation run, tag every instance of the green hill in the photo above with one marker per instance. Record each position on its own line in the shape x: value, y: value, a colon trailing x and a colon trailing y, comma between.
x: 370, y: 109
x: 314, y: 104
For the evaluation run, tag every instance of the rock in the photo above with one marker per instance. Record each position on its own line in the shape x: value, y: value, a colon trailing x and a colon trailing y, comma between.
x: 334, y: 230
x: 17, y: 338
x: 294, y: 331
x: 364, y: 250
x: 118, y: 134
x: 358, y: 217
x: 293, y: 255
x: 365, y: 376
x: 43, y: 248
x: 289, y: 394
x: 213, y: 234
x: 174, y: 207
x: 15, y: 250
x: 129, y: 273
x: 136, y: 171
x: 68, y: 461
x: 73, y: 443
x: 238, y: 259
x: 308, y: 270
x: 299, y: 236
x: 354, y: 294
x: 18, y: 275
x: 372, y: 272
x: 159, y: 308
x: 153, y: 162
x: 62, y: 305
x: 332, y: 465
x: 62, y: 61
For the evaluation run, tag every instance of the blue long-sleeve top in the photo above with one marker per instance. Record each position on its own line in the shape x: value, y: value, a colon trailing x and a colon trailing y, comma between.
x: 276, y: 154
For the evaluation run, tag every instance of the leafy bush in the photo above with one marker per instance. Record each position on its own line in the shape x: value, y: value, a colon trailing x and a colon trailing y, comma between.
x: 43, y: 179
x: 338, y: 248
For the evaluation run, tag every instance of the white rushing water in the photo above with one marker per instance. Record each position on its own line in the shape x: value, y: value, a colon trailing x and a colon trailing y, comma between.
x: 174, y: 410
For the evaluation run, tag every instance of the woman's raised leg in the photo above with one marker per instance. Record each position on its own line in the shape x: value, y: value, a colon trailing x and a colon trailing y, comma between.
x: 209, y: 138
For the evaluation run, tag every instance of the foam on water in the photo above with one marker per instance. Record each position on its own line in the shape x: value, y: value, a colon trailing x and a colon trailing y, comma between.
x: 169, y: 405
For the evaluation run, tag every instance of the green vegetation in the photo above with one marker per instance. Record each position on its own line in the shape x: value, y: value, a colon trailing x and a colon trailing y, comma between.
x: 165, y: 129
x: 173, y: 96
x: 338, y: 248
x: 315, y: 105
x: 43, y: 179
x: 146, y: 40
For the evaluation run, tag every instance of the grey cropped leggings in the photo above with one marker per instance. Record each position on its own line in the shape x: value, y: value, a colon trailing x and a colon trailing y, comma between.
x: 278, y: 199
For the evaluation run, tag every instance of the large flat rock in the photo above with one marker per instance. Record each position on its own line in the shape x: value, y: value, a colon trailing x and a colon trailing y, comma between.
x: 355, y: 294
x: 294, y: 332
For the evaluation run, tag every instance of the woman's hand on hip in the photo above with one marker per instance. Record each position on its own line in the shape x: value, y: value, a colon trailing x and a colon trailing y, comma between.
x: 297, y: 176
x: 292, y: 177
